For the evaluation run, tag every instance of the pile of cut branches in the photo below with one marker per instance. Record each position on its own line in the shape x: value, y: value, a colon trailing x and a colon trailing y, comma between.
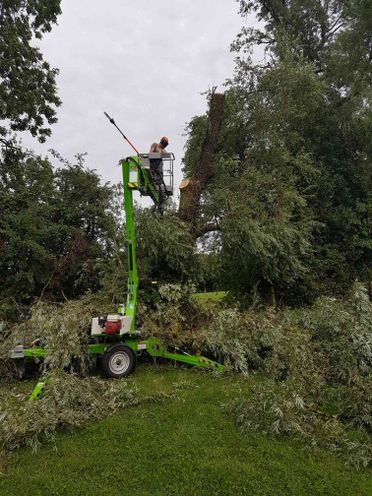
x: 325, y: 399
x: 71, y: 398
x: 318, y: 362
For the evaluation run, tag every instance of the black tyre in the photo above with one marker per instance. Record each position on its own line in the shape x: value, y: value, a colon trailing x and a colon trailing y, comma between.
x: 118, y: 361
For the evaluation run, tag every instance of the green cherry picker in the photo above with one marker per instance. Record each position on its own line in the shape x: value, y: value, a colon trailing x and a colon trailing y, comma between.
x: 114, y: 337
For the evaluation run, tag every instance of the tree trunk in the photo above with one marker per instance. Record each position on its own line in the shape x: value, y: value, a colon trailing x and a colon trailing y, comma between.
x: 192, y: 188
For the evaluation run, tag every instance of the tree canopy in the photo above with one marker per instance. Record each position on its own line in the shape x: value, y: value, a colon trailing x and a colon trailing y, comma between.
x: 56, y: 226
x: 291, y: 190
x: 28, y: 91
x: 277, y: 198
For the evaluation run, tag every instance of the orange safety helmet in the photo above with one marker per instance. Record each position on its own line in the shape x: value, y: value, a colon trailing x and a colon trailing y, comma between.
x: 164, y: 141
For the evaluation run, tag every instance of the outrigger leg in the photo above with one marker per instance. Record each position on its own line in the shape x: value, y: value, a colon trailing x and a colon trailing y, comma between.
x: 156, y: 348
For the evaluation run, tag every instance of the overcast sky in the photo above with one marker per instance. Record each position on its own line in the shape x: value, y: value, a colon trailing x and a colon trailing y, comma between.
x: 143, y: 62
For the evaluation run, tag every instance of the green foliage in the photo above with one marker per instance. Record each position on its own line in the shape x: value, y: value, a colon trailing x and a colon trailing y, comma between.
x: 62, y: 234
x: 70, y: 401
x: 63, y: 332
x: 62, y: 329
x: 9, y: 369
x: 266, y: 234
x: 325, y: 398
x: 71, y: 398
x: 291, y: 197
x: 309, y: 25
x: 343, y: 330
x: 195, y: 132
x: 175, y: 315
x: 290, y: 121
x: 55, y: 224
x: 284, y: 410
x: 291, y: 190
x: 28, y: 93
x: 318, y: 361
x: 165, y: 247
x: 209, y: 268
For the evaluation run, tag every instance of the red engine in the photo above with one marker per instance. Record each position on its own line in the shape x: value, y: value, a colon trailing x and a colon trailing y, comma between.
x: 108, y: 324
x: 112, y: 327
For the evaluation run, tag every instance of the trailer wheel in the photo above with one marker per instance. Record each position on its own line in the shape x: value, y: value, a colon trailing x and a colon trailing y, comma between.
x: 118, y: 361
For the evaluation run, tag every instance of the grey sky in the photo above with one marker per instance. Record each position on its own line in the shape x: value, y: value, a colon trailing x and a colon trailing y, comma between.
x: 143, y: 62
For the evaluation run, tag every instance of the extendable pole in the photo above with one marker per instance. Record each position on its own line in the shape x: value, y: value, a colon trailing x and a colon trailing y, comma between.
x: 121, y: 132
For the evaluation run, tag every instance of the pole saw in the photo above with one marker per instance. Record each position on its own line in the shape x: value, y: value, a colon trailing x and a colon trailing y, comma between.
x: 161, y: 187
x: 121, y: 132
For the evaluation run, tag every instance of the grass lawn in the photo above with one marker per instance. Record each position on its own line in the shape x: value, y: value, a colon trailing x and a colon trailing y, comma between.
x: 215, y: 296
x: 187, y: 445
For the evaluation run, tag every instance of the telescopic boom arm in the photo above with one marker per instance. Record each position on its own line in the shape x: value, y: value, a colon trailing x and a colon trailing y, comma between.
x: 130, y: 237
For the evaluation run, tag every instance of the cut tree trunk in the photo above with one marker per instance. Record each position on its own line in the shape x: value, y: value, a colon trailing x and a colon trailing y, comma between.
x: 191, y: 188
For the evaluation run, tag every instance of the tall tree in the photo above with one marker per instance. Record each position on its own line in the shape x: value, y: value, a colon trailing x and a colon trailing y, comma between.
x: 28, y: 92
x: 292, y: 178
x: 56, y: 228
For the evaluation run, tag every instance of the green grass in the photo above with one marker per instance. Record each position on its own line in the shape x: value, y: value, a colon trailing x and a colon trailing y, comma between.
x: 187, y: 445
x: 215, y: 296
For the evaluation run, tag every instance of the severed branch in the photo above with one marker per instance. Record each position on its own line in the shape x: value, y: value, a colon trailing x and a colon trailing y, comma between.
x: 206, y: 228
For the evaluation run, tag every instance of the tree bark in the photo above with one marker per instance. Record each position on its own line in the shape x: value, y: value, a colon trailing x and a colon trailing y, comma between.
x: 191, y: 188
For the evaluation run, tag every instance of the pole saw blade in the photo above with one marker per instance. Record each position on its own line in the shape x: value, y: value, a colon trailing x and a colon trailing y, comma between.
x: 109, y: 118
